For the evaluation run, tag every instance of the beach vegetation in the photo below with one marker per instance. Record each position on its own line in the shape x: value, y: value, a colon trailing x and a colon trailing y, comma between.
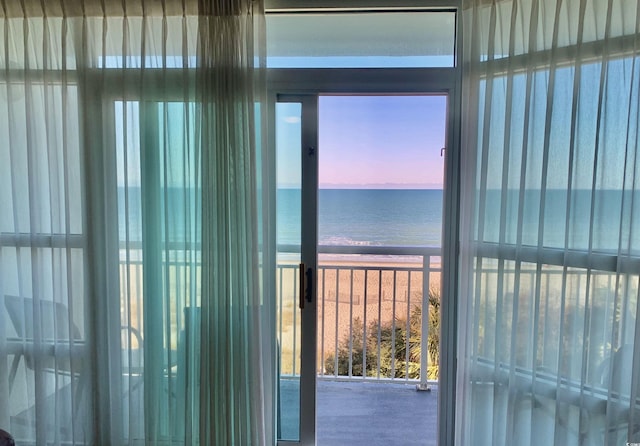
x: 385, y: 346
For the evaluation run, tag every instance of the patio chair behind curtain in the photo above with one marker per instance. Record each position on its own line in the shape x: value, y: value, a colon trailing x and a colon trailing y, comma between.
x: 549, y: 323
x: 104, y: 190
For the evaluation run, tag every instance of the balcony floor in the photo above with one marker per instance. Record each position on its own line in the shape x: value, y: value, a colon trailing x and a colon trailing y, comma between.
x: 357, y: 413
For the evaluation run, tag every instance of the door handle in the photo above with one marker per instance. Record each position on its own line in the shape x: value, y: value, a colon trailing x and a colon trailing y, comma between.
x: 302, y: 288
x: 306, y: 283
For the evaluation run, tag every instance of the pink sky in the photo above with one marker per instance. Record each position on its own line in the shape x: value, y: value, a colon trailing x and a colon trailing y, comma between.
x: 381, y: 142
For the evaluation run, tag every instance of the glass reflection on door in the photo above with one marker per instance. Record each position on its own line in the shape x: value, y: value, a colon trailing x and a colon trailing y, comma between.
x: 288, y: 258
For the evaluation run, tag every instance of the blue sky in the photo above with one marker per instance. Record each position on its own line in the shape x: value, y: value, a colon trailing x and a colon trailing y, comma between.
x: 385, y: 142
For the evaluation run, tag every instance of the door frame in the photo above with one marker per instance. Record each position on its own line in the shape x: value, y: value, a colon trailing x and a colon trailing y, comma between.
x: 308, y: 84
x: 308, y: 258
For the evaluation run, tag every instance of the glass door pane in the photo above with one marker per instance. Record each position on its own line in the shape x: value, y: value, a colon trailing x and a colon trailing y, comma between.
x: 288, y: 260
x: 296, y: 234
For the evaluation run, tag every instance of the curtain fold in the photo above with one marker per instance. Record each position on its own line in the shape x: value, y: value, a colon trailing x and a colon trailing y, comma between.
x: 131, y: 308
x: 232, y: 366
x: 550, y: 248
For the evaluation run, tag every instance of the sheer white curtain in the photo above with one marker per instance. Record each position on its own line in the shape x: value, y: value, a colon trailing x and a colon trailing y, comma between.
x: 551, y: 239
x: 234, y: 366
x: 109, y: 124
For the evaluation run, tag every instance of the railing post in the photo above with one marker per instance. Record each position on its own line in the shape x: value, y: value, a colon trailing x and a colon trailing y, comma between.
x: 424, y: 325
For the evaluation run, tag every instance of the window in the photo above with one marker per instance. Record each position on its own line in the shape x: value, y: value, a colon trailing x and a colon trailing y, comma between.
x: 356, y: 40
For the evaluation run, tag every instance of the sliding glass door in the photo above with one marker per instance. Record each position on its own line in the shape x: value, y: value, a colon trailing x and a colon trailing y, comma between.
x: 359, y: 266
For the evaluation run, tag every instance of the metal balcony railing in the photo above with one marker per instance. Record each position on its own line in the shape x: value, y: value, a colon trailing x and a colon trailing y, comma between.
x: 370, y: 305
x: 371, y: 302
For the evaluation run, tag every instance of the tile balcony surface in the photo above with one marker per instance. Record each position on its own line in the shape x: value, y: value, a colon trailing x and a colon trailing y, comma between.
x: 357, y: 413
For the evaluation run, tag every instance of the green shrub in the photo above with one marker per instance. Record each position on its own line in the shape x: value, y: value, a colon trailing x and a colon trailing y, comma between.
x: 392, y: 344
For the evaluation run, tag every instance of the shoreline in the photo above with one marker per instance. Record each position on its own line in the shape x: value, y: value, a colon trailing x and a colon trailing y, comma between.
x: 375, y: 261
x: 388, y: 261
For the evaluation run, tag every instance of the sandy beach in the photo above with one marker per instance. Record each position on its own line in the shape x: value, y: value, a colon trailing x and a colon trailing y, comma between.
x: 370, y: 290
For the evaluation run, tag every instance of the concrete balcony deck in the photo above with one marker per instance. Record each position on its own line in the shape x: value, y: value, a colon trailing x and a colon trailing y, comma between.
x: 357, y: 413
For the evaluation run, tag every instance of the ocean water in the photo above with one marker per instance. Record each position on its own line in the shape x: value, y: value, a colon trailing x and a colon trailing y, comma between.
x: 378, y: 217
x: 345, y: 217
x: 605, y: 220
x: 175, y: 214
